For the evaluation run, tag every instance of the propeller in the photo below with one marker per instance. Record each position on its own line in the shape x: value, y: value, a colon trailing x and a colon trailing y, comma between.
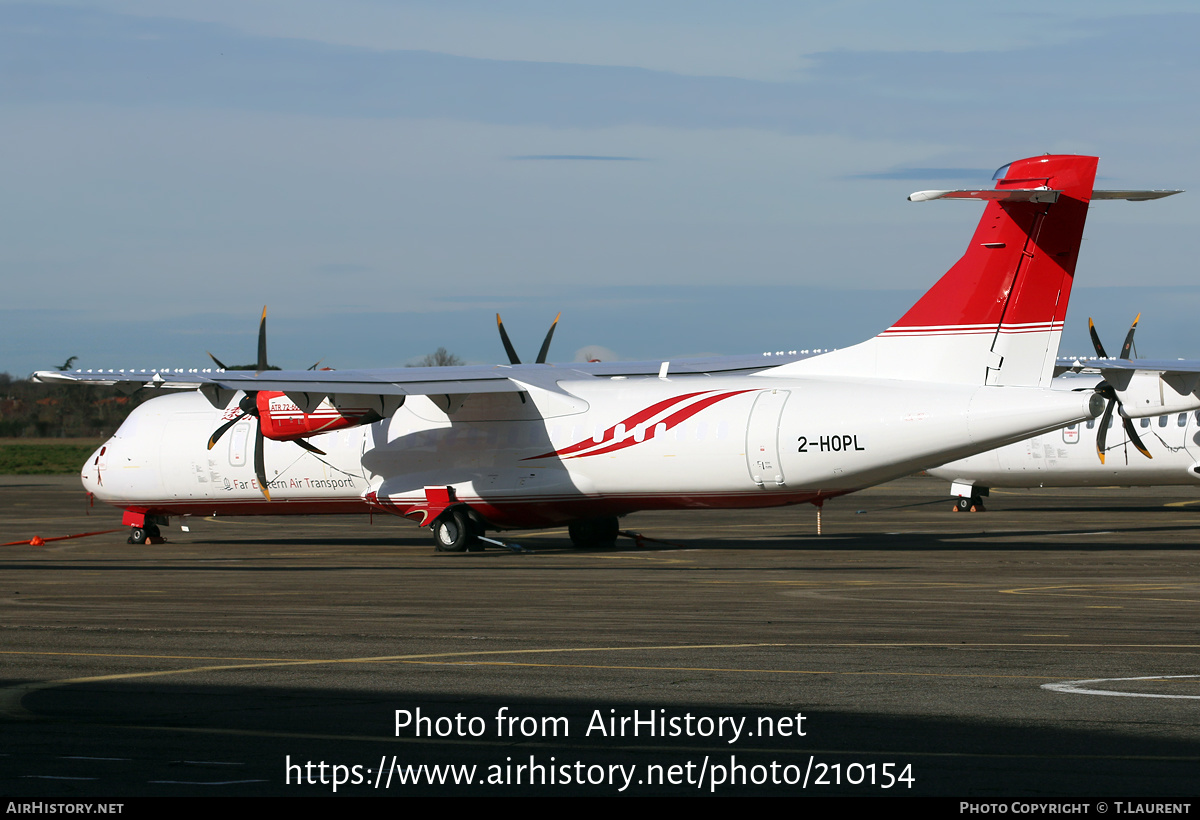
x: 1105, y: 390
x: 248, y: 406
x: 513, y: 358
x: 260, y: 366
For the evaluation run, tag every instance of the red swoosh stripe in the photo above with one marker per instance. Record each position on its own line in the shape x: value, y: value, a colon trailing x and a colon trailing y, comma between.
x: 679, y: 416
x: 630, y: 423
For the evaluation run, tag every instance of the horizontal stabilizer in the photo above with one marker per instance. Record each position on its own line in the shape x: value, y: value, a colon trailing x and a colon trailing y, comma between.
x: 991, y: 194
x: 1134, y: 196
x: 1034, y: 195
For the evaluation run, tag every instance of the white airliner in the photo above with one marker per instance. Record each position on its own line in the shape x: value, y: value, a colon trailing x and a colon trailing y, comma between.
x: 1153, y: 438
x: 465, y: 450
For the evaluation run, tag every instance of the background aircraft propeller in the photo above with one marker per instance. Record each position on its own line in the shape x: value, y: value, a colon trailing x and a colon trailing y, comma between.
x: 1105, y: 390
x: 513, y: 358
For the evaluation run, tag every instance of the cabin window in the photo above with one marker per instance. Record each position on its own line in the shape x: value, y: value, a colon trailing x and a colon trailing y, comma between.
x: 1091, y: 423
x: 1182, y: 420
x: 1145, y: 422
x: 1162, y: 421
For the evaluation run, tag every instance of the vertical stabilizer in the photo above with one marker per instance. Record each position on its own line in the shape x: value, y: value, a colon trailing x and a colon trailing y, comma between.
x: 996, y: 316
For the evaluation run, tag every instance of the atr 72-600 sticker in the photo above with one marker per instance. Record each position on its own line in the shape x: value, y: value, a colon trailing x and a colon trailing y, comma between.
x: 643, y: 425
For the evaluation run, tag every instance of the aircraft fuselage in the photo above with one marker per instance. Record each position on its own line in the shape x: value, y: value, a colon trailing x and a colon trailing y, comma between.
x: 597, y: 447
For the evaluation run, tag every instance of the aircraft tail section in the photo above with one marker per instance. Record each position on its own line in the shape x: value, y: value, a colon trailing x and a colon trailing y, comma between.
x: 996, y: 316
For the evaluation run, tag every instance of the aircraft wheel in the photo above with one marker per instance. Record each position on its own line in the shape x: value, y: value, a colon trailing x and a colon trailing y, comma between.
x: 137, y: 535
x: 972, y: 504
x: 594, y: 532
x: 454, y: 532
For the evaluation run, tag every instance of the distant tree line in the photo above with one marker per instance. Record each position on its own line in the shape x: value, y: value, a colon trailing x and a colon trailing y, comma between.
x: 29, y: 410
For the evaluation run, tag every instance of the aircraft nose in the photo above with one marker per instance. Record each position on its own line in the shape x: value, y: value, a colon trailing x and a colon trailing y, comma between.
x: 92, y: 473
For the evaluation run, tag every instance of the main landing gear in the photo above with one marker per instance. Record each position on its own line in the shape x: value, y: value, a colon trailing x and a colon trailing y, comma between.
x: 595, y: 532
x: 457, y: 531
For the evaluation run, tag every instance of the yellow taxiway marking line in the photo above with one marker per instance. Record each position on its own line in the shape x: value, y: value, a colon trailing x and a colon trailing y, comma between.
x: 727, y: 669
x: 12, y: 708
x: 1106, y: 590
x: 10, y: 697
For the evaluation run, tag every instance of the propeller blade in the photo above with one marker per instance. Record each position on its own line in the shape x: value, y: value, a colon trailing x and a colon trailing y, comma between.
x: 545, y: 351
x: 318, y: 364
x: 1133, y: 436
x: 220, y: 363
x: 1096, y: 339
x: 309, y: 447
x: 1102, y: 433
x: 513, y: 358
x: 220, y: 431
x: 262, y: 343
x: 260, y: 469
x: 1125, y: 348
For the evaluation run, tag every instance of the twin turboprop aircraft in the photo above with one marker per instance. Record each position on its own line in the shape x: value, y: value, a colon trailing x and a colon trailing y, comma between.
x: 1155, y: 442
x: 465, y: 450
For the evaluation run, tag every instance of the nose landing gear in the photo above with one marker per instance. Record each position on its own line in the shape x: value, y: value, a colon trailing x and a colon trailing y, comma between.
x: 973, y: 503
x: 146, y: 534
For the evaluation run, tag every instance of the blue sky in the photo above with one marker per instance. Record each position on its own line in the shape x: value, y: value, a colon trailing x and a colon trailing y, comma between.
x: 676, y: 178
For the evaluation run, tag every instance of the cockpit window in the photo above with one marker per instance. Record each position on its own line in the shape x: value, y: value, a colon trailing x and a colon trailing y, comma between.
x: 1002, y: 171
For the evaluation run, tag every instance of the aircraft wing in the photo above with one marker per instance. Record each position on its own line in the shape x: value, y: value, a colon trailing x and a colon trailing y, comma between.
x: 415, y: 381
x: 1146, y: 387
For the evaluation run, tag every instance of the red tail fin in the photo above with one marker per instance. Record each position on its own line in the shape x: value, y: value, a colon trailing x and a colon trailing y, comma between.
x: 996, y: 316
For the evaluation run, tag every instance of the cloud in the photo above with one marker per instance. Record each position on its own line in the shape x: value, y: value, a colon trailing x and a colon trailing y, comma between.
x: 59, y: 54
x: 341, y: 269
x: 582, y: 157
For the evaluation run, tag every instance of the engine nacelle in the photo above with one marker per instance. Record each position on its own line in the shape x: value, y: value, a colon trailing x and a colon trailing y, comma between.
x: 284, y: 419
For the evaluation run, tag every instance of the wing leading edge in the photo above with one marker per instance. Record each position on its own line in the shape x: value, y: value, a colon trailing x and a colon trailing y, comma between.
x: 416, y: 381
